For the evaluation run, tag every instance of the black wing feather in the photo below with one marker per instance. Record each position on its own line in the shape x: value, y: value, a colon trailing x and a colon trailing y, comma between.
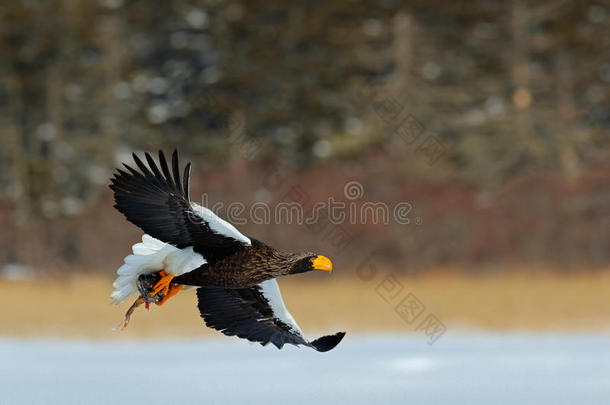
x: 186, y: 177
x: 153, y: 166
x: 165, y: 169
x: 156, y: 200
x: 176, y: 172
x: 246, y: 313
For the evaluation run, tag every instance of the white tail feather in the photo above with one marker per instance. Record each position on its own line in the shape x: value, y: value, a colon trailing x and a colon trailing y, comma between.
x: 149, y: 256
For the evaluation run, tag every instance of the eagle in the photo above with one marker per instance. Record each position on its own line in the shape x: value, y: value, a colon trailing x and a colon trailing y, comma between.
x: 186, y: 245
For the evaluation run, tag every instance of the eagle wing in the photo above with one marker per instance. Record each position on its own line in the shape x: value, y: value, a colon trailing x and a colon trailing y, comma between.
x: 258, y: 314
x: 157, y: 200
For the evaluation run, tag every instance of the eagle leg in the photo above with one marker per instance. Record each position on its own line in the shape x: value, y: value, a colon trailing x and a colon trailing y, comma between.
x: 163, y: 284
x: 173, y: 290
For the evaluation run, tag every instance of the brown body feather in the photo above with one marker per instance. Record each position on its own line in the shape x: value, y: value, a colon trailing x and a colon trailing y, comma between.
x: 245, y: 268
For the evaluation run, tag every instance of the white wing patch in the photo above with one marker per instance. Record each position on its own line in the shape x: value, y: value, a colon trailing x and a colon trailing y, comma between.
x: 218, y: 224
x: 271, y: 291
x: 149, y: 256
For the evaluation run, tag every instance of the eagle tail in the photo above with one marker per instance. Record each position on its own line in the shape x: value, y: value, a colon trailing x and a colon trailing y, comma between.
x: 150, y: 256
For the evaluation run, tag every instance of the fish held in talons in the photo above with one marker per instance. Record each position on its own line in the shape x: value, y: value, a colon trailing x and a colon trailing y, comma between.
x: 146, y: 285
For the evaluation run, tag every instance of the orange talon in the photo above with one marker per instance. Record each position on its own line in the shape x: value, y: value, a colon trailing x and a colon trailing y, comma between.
x: 163, y: 284
x: 173, y: 290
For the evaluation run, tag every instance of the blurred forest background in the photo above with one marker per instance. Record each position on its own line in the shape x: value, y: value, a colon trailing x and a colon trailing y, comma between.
x: 491, y: 119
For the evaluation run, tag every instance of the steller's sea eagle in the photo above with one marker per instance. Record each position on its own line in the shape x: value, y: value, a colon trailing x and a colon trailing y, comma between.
x: 185, y: 244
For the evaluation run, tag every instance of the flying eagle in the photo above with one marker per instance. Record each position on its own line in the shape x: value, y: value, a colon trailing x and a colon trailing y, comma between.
x: 185, y: 244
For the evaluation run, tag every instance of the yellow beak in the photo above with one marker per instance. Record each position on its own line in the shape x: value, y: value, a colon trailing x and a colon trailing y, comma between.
x: 322, y: 263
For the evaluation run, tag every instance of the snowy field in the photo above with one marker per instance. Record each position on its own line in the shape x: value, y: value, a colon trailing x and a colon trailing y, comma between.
x: 462, y: 369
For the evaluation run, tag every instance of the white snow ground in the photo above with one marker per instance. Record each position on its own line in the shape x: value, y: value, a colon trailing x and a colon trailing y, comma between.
x: 458, y: 369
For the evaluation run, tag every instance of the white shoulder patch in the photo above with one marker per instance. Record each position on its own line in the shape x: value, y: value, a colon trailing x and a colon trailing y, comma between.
x: 271, y: 291
x: 218, y: 224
